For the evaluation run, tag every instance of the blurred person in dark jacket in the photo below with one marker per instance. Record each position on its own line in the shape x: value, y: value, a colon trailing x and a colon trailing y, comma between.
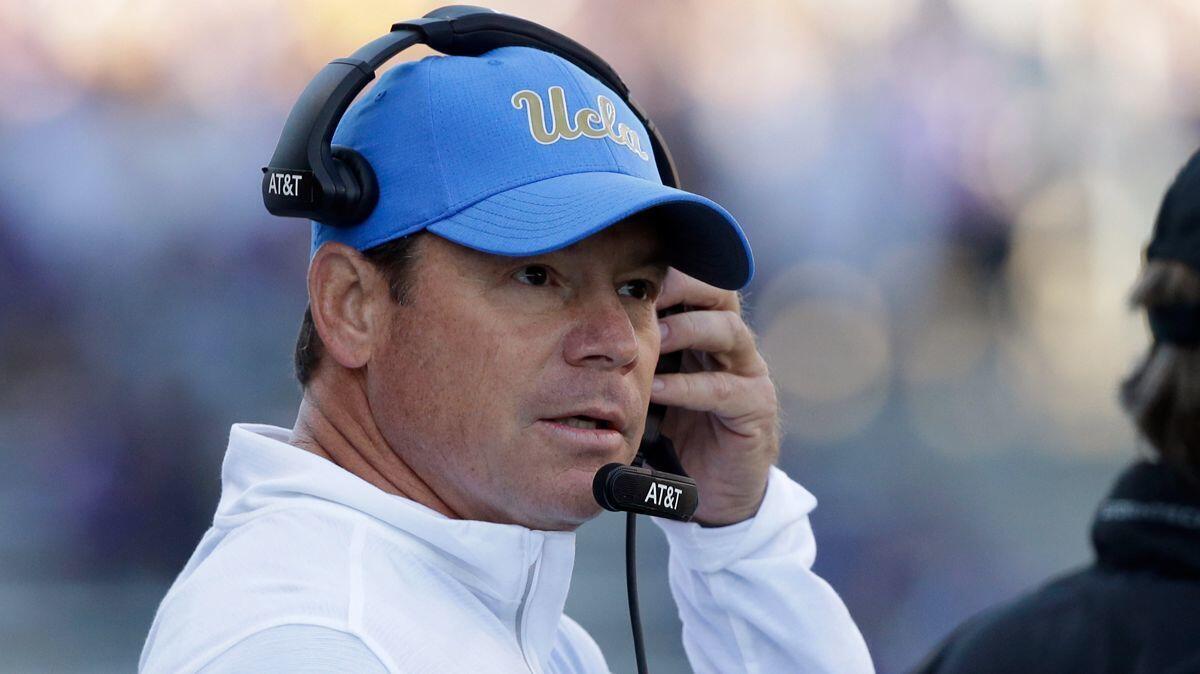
x: 1136, y: 609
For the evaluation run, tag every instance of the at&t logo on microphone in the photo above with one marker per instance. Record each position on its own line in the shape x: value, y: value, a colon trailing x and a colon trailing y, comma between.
x: 663, y: 495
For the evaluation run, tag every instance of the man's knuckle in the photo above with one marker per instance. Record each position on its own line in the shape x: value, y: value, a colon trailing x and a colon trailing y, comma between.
x: 723, y: 388
x: 734, y: 325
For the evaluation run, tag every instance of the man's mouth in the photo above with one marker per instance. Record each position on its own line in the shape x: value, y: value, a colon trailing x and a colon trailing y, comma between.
x: 583, y: 421
x: 599, y: 429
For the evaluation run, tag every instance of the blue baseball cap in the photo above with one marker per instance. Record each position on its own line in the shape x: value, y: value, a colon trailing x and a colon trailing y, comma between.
x: 519, y: 152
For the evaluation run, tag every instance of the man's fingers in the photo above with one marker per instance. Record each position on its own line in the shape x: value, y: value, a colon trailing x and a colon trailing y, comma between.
x: 722, y: 393
x: 679, y: 288
x: 723, y: 334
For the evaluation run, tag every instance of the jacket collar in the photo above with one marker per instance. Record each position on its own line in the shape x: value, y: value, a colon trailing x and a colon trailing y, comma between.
x: 1150, y: 521
x: 521, y: 574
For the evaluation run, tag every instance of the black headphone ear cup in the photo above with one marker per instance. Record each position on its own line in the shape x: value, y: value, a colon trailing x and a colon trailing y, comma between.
x: 362, y: 189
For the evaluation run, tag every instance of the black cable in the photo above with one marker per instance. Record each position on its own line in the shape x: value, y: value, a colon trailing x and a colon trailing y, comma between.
x: 635, y: 618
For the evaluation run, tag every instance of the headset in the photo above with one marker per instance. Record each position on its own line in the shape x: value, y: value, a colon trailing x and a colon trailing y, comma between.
x: 336, y: 186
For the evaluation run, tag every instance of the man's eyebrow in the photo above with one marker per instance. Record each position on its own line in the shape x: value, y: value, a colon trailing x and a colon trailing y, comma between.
x: 654, y: 256
x: 657, y: 263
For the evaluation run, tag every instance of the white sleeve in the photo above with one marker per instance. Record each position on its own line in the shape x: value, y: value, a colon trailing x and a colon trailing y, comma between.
x: 300, y: 649
x: 748, y: 598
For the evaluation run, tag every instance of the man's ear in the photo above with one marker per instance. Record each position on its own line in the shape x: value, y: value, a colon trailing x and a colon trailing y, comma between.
x: 344, y: 291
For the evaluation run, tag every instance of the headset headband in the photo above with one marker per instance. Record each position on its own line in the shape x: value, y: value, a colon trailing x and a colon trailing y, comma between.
x: 309, y: 178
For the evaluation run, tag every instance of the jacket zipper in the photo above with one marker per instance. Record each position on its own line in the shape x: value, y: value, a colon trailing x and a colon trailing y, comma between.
x: 522, y: 616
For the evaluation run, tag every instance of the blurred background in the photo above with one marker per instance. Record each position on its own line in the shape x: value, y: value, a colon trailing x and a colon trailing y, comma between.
x: 947, y: 198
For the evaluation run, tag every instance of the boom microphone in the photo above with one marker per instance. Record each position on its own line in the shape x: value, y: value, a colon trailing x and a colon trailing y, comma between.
x: 640, y: 489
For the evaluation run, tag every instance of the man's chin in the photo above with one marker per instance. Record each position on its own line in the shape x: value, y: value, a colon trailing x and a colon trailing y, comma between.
x: 570, y: 501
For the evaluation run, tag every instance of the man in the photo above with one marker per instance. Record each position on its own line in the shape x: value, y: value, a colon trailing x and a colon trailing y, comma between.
x: 474, y: 352
x: 1137, y: 607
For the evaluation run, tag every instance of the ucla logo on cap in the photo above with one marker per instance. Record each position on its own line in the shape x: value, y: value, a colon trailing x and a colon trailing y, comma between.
x: 599, y: 123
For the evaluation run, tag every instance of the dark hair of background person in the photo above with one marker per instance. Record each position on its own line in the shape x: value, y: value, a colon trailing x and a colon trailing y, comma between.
x: 394, y: 260
x: 1162, y: 394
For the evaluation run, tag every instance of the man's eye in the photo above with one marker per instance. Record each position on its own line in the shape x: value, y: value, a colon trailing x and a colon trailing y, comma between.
x: 534, y: 275
x: 639, y: 289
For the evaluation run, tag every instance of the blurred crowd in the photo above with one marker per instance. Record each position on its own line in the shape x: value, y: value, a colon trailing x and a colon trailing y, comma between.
x: 947, y: 201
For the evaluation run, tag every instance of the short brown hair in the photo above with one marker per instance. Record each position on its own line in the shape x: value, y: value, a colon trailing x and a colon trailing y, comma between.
x: 394, y: 259
x: 1162, y: 394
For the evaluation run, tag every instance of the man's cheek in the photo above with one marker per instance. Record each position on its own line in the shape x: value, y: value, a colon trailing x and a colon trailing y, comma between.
x: 639, y: 427
x: 646, y: 370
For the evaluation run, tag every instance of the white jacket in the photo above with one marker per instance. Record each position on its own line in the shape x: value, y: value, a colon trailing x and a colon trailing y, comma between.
x: 309, y: 568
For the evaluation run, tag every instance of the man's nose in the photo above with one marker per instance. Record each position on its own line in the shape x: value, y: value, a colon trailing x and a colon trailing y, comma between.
x: 602, y: 336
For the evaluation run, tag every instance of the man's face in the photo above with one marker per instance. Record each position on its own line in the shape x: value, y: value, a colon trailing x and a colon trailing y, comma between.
x: 506, y: 382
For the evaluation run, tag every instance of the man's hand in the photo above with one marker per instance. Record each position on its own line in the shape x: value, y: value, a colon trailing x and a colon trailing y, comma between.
x: 724, y: 414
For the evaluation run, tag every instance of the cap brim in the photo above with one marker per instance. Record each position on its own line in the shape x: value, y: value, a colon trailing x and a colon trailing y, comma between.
x: 703, y: 240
